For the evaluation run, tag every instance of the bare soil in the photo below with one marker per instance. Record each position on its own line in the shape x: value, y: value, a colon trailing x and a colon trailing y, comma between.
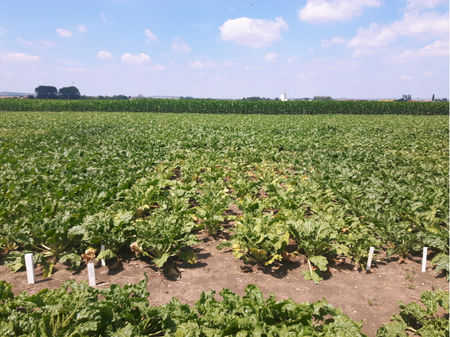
x: 370, y: 297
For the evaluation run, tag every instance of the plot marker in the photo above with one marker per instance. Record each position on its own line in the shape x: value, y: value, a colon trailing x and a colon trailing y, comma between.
x: 91, y: 273
x: 102, y: 247
x: 29, y: 264
x: 369, y: 260
x: 424, y: 259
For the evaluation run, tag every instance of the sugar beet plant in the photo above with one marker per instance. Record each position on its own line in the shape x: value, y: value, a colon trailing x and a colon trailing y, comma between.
x: 149, y: 183
x: 420, y: 320
x: 75, y: 309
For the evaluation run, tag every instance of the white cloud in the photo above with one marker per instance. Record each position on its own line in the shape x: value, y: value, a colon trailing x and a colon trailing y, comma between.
x: 48, y: 43
x: 211, y: 64
x: 135, y: 59
x: 330, y: 42
x: 150, y: 35
x: 18, y: 57
x: 422, y: 4
x: 28, y: 43
x: 64, y: 32
x: 199, y: 64
x: 10, y: 74
x: 406, y: 77
x: 370, y: 40
x: 253, y: 33
x: 37, y: 43
x: 229, y: 64
x: 422, y: 25
x: 293, y: 58
x: 374, y: 36
x: 82, y: 28
x: 363, y: 52
x: 103, y: 54
x: 181, y: 46
x: 105, y: 20
x: 158, y: 67
x: 322, y: 11
x: 439, y: 48
x: 196, y: 64
x: 311, y: 50
x: 270, y: 57
x: 427, y: 74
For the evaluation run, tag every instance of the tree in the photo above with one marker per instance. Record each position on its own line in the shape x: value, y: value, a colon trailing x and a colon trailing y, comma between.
x: 432, y: 98
x: 69, y: 93
x: 120, y: 97
x: 255, y: 98
x: 46, y: 91
x: 322, y: 98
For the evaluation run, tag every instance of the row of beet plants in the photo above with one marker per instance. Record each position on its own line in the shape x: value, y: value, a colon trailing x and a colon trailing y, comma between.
x: 148, y: 183
x: 75, y: 309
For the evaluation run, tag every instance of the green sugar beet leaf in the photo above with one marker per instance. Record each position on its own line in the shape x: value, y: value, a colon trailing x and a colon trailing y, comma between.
x: 259, y: 239
x: 14, y: 260
x: 163, y: 236
x: 422, y: 321
x: 105, y: 254
x: 189, y: 256
x: 319, y: 261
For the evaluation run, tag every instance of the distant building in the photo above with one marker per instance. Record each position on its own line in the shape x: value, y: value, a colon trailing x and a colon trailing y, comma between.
x: 283, y: 97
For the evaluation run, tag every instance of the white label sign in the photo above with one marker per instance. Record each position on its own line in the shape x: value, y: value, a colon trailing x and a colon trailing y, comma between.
x: 424, y: 259
x: 102, y: 247
x: 369, y: 260
x: 29, y: 264
x: 91, y: 273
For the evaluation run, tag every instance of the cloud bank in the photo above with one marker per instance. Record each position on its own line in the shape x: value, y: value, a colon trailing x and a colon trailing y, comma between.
x: 255, y: 33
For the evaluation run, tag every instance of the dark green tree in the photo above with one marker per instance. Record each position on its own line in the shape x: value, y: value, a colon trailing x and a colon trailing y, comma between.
x: 69, y: 93
x: 46, y: 91
x: 322, y: 98
x: 120, y: 97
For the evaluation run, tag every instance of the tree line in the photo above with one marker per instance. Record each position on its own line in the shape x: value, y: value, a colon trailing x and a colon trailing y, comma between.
x: 50, y: 92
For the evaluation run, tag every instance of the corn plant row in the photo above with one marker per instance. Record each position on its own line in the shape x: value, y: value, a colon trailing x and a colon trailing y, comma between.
x: 149, y: 183
x: 230, y: 107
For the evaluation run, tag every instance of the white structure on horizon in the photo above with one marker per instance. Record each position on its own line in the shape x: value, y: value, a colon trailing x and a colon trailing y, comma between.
x: 283, y: 97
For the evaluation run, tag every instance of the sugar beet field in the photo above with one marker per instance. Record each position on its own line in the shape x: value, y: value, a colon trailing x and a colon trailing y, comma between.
x: 182, y: 207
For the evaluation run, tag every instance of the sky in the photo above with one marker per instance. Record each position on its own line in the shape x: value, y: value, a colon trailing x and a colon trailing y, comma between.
x: 228, y: 49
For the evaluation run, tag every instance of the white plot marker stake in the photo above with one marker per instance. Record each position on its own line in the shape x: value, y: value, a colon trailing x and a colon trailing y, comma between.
x: 424, y: 259
x: 369, y: 260
x: 91, y: 273
x: 29, y: 264
x: 102, y: 247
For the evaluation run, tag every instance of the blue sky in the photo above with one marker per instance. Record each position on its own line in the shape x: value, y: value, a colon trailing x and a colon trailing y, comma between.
x: 228, y: 49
